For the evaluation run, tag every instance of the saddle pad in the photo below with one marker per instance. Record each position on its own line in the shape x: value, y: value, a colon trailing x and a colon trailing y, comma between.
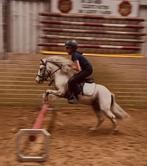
x: 89, y: 89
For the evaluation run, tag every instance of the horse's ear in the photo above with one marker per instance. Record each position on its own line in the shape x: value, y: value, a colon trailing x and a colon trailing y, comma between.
x: 42, y: 62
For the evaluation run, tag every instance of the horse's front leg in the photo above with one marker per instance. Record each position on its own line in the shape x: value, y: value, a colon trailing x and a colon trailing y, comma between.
x: 48, y: 92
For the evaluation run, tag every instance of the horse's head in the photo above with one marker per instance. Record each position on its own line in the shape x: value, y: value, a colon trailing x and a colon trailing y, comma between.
x: 43, y: 73
x: 50, y: 66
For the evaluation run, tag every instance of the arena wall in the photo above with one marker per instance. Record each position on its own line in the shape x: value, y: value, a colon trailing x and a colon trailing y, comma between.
x: 1, y: 30
x: 143, y: 14
x: 24, y: 29
x: 24, y: 25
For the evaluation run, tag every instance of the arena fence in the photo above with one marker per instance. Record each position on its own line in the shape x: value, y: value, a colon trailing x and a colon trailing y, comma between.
x: 126, y: 78
x: 95, y: 34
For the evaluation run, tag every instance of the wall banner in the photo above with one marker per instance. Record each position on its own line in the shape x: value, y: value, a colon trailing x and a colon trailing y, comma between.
x: 120, y: 8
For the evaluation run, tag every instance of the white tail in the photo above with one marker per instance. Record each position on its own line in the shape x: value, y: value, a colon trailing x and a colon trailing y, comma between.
x: 118, y: 111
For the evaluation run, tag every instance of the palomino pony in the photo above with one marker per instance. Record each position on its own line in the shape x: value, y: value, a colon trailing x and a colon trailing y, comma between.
x: 58, y: 69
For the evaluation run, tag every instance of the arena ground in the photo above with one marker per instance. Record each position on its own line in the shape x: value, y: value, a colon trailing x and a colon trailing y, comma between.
x: 72, y: 144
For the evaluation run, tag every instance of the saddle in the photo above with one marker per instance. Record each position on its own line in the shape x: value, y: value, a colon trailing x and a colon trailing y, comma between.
x: 80, y: 87
x: 89, y: 79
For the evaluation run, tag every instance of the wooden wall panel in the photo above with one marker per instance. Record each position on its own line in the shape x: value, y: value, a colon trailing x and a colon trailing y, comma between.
x: 24, y: 28
x: 1, y: 29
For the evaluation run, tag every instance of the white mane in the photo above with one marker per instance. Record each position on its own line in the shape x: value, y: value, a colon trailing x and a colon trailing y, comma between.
x: 60, y: 60
x: 65, y: 62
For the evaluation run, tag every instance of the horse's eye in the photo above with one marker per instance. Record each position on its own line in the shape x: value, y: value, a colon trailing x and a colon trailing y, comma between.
x: 41, y: 69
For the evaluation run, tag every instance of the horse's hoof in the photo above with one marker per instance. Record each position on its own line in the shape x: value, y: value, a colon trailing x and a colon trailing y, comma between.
x: 93, y: 129
x: 115, y: 131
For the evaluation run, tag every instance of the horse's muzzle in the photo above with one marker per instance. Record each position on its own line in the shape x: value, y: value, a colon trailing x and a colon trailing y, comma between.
x: 37, y: 79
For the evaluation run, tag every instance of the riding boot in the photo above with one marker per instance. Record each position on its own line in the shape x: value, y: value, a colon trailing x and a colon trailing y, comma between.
x: 72, y: 99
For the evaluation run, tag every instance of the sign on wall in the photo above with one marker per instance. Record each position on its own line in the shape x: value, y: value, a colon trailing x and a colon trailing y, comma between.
x: 123, y: 8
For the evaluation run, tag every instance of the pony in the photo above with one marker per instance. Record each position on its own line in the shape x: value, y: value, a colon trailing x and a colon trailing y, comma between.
x: 58, y: 70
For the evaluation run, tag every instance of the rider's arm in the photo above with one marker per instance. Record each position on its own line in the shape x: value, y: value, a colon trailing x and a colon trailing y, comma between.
x: 77, y: 65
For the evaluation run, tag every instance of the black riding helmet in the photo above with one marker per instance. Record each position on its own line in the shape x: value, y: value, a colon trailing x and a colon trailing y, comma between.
x: 71, y: 44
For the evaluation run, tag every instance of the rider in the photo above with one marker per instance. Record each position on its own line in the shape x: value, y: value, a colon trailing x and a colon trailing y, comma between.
x: 82, y: 65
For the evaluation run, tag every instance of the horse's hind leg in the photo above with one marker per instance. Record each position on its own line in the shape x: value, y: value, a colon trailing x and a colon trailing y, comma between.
x: 112, y: 117
x: 100, y: 119
x: 99, y: 115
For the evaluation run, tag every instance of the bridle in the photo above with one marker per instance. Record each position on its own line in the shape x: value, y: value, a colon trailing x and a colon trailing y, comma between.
x: 49, y: 74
